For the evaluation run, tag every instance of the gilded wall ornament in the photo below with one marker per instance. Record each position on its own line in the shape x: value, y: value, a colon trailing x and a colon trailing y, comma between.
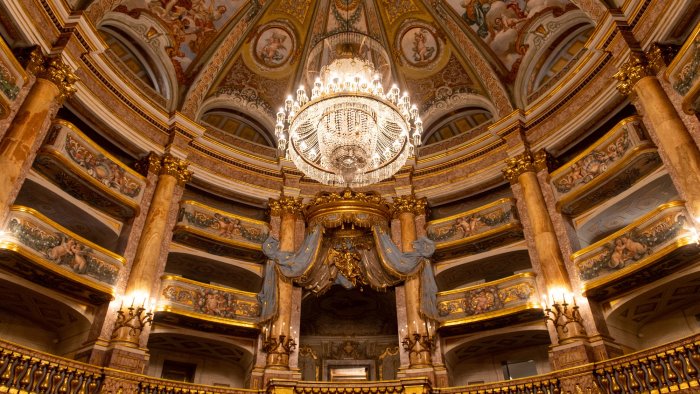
x: 54, y: 70
x: 409, y: 203
x: 518, y: 165
x: 286, y: 204
x: 636, y: 68
x: 177, y: 168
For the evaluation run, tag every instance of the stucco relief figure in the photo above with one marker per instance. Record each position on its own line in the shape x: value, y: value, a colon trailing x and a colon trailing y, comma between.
x: 468, y: 226
x: 626, y: 249
x: 228, y: 227
x: 422, y: 52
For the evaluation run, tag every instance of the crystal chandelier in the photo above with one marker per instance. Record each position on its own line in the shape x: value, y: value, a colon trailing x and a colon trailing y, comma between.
x: 349, y: 132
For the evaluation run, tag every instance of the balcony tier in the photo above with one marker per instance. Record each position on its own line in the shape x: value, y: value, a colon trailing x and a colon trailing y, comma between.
x: 88, y: 173
x: 35, y: 247
x: 684, y: 73
x: 475, y: 231
x: 490, y: 305
x: 608, y: 167
x: 649, y: 248
x: 207, y: 307
x: 218, y: 232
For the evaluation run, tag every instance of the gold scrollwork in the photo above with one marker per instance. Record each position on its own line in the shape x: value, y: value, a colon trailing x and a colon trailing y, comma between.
x: 165, y: 165
x: 636, y: 68
x: 53, y: 69
x: 520, y: 164
x: 409, y: 203
x: 286, y: 204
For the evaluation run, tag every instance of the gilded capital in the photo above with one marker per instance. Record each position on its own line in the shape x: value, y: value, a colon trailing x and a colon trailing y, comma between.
x: 409, y: 203
x: 636, y: 68
x: 515, y: 166
x: 543, y: 160
x: 148, y: 164
x: 286, y: 204
x: 171, y: 165
x: 54, y: 70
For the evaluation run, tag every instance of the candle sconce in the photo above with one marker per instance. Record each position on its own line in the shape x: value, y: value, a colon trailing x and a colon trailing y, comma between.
x: 567, y: 321
x: 278, y: 349
x: 419, y: 347
x: 130, y: 323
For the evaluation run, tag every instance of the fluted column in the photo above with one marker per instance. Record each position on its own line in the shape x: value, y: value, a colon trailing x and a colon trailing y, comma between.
x: 288, y: 209
x: 406, y: 208
x: 637, y: 77
x: 54, y: 84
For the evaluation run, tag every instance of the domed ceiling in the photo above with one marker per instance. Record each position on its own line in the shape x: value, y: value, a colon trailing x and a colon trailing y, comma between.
x: 229, y: 64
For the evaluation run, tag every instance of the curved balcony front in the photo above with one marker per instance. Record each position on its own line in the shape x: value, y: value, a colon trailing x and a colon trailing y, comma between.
x: 36, y: 248
x: 12, y: 79
x: 475, y: 231
x: 651, y: 247
x: 206, y: 307
x: 87, y: 172
x: 490, y: 305
x: 219, y: 232
x: 608, y: 167
x: 684, y: 73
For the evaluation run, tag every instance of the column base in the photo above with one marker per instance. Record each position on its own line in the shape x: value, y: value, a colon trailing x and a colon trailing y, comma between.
x: 570, y: 355
x: 93, y: 353
x: 427, y: 372
x: 604, y: 348
x: 126, y: 358
x: 278, y: 373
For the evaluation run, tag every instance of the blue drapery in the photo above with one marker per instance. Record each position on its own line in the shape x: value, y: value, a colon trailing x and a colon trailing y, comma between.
x: 406, y: 264
x: 289, y: 264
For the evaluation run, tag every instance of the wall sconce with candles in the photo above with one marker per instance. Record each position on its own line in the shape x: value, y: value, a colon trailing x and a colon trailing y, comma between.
x: 278, y: 347
x: 419, y: 346
x: 131, y: 321
x: 566, y: 320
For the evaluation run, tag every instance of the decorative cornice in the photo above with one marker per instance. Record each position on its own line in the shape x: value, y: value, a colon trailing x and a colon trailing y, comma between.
x: 177, y: 168
x: 636, y: 68
x: 166, y: 165
x: 409, y: 203
x: 54, y: 70
x: 286, y: 204
x: 520, y: 164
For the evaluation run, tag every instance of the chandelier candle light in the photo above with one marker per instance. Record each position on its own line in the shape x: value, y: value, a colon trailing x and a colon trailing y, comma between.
x: 349, y: 132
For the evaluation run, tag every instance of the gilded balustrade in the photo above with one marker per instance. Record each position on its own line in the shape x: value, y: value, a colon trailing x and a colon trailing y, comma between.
x: 652, y: 246
x: 207, y: 303
x: 12, y: 79
x: 684, y: 72
x: 608, y: 167
x: 87, y: 172
x: 515, y: 297
x: 666, y: 368
x: 43, y: 251
x: 476, y: 230
x: 219, y: 232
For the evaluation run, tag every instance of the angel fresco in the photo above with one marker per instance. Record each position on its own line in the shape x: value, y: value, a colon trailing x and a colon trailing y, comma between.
x: 274, y: 51
x: 422, y: 52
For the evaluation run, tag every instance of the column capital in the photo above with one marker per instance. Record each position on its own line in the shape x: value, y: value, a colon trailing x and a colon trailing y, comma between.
x: 54, y: 70
x: 165, y: 165
x: 520, y: 164
x: 409, y: 203
x: 634, y: 69
x: 286, y: 204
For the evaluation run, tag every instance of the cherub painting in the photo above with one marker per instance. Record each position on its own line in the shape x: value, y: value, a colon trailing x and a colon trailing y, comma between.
x: 272, y: 46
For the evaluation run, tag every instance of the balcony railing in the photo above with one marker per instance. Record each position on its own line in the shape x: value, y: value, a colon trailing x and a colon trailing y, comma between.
x: 88, y: 173
x: 684, y: 72
x: 35, y: 247
x: 220, y: 232
x: 511, y: 296
x: 650, y: 247
x: 207, y: 304
x: 668, y: 368
x: 476, y: 230
x: 611, y: 165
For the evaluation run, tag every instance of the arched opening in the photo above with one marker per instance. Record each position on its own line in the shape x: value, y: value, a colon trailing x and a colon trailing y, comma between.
x: 349, y: 335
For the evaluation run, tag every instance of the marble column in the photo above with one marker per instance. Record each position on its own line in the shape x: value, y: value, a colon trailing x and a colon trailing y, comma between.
x: 145, y: 271
x: 288, y: 209
x: 680, y: 154
x: 54, y: 84
x: 406, y: 208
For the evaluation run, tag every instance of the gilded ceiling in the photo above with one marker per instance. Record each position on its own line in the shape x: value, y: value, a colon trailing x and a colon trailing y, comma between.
x: 243, y: 57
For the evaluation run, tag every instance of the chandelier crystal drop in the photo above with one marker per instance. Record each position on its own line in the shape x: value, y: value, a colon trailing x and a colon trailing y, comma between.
x: 349, y: 131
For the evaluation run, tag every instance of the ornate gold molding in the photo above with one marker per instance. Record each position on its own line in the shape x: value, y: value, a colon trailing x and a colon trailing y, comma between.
x: 636, y: 68
x: 409, y: 203
x: 286, y: 204
x: 165, y: 165
x: 54, y: 70
x: 332, y: 209
x: 177, y: 168
x: 520, y: 164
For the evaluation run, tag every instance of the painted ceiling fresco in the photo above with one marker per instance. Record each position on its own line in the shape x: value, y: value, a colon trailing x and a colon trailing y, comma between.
x: 248, y: 55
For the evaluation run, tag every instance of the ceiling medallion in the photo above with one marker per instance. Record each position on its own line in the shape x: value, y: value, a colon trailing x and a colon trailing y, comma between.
x: 349, y: 132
